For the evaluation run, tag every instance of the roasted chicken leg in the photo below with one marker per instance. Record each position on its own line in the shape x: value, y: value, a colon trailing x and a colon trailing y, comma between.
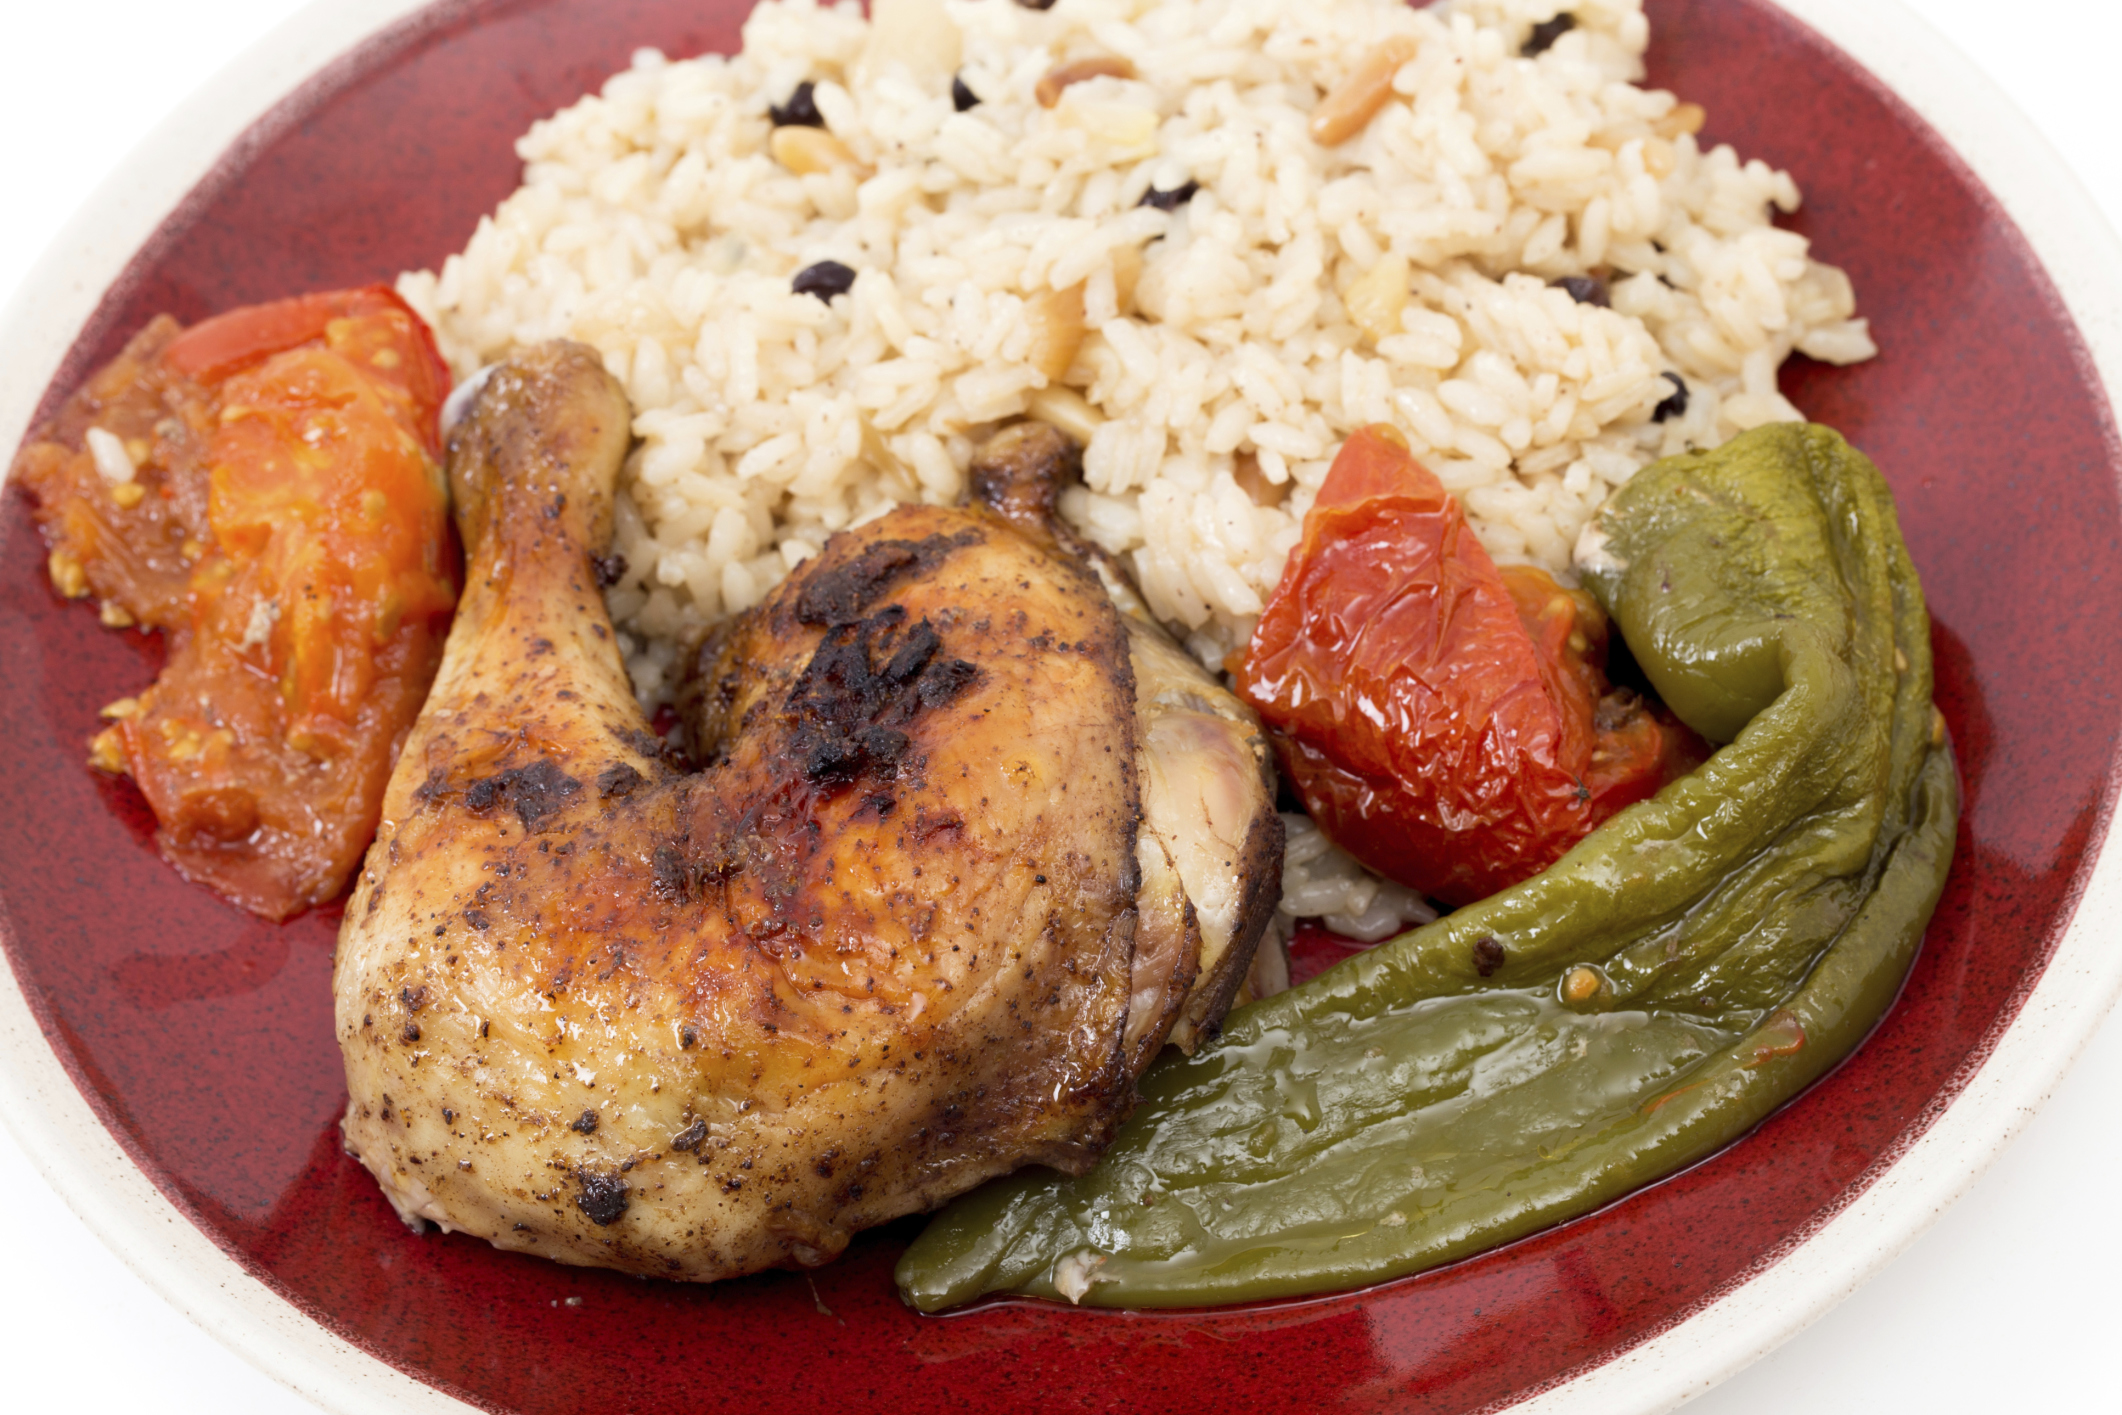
x: 885, y: 943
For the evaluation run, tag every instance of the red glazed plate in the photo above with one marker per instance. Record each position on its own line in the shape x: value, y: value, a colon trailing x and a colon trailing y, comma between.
x: 170, y: 1058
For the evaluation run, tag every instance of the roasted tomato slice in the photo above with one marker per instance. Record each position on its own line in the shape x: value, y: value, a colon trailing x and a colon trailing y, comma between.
x: 264, y: 488
x: 1446, y: 722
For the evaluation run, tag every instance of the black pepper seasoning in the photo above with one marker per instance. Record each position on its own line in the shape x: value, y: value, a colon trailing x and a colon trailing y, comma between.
x: 1488, y: 956
x: 961, y: 97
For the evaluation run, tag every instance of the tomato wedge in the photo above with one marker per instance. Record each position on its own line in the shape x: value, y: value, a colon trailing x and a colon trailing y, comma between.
x: 268, y: 494
x: 1446, y: 722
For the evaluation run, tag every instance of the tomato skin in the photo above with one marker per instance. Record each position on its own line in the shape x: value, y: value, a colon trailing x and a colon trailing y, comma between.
x: 1445, y: 722
x: 377, y: 331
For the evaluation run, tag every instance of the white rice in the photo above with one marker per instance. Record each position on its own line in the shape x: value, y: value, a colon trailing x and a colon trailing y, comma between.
x: 1321, y: 881
x: 1403, y: 276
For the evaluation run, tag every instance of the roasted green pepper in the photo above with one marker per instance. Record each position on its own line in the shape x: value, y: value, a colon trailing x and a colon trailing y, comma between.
x: 1687, y: 968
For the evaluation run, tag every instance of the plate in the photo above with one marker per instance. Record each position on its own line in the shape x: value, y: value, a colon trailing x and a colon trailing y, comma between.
x: 199, y: 1076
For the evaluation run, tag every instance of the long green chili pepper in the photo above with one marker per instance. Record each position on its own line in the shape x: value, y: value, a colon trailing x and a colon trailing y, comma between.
x: 1690, y: 966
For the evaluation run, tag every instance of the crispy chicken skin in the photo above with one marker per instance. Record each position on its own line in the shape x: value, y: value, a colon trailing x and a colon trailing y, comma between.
x: 881, y: 947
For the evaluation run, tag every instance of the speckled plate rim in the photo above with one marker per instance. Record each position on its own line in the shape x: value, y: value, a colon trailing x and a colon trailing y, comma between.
x: 84, y: 1163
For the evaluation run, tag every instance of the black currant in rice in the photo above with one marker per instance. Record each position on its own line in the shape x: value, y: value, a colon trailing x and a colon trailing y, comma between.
x: 1675, y: 403
x: 801, y: 110
x: 1172, y: 200
x: 1546, y: 33
x: 825, y: 279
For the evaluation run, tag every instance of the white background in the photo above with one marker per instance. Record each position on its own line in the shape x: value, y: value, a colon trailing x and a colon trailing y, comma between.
x: 2010, y: 1303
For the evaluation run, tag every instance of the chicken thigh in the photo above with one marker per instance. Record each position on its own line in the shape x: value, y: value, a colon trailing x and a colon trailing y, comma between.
x: 887, y: 942
x: 1211, y: 843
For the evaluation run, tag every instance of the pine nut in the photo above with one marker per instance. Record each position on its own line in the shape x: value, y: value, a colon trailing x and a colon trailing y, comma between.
x: 804, y: 151
x: 1067, y: 410
x: 1684, y: 118
x: 1076, y: 71
x: 1354, y: 101
x: 1374, y: 302
x: 1056, y: 319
